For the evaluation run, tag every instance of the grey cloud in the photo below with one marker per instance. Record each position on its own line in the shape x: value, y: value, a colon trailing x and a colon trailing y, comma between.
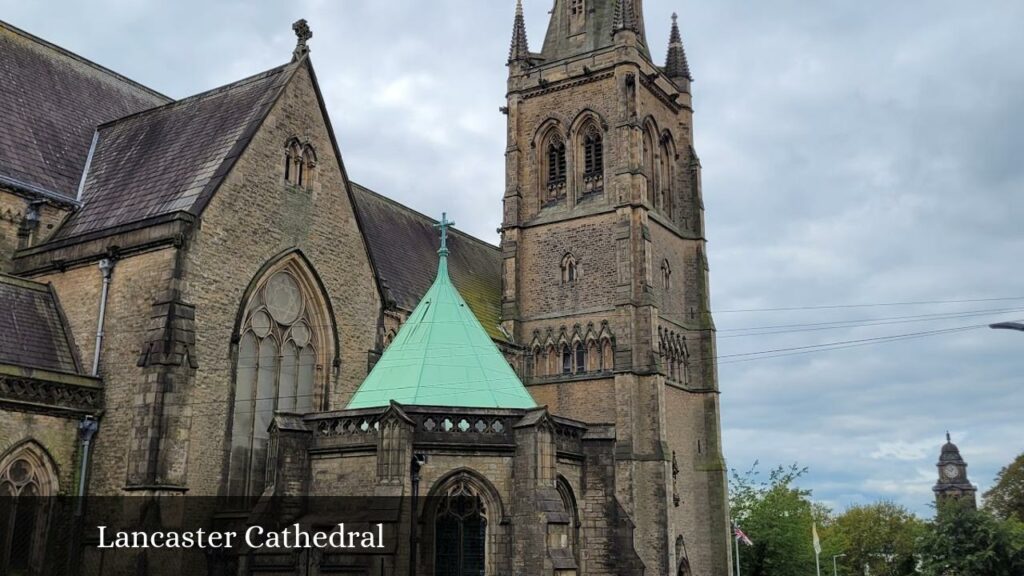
x: 857, y: 152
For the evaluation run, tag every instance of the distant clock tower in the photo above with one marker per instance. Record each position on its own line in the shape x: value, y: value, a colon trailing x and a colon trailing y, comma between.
x: 953, y: 482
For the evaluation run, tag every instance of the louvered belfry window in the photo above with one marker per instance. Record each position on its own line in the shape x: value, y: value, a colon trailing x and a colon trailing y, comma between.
x: 556, y: 162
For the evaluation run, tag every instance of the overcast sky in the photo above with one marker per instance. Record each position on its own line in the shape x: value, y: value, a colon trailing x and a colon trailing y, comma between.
x: 854, y: 153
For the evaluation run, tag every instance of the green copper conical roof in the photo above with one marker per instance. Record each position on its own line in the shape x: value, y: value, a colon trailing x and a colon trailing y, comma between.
x: 442, y: 356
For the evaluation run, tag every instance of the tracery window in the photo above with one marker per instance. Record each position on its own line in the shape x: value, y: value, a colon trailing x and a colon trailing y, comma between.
x: 281, y: 366
x: 460, y: 527
x: 26, y: 480
x: 666, y: 275
x: 566, y: 359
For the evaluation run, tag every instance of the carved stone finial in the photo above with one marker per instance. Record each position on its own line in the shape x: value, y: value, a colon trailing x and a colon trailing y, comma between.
x: 303, y: 34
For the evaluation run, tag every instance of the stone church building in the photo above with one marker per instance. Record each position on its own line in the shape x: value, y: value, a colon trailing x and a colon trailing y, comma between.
x: 198, y: 304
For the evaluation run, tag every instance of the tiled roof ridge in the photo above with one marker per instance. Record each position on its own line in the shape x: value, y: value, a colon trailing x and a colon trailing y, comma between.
x: 198, y: 96
x: 23, y: 282
x: 99, y: 67
x: 416, y: 212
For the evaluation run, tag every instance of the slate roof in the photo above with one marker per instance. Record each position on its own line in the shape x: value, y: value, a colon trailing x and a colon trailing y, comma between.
x: 32, y: 329
x: 50, y: 104
x: 442, y: 356
x: 403, y: 249
x: 172, y: 158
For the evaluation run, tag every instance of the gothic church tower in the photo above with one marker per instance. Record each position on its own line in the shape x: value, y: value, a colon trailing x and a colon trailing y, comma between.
x: 605, y: 276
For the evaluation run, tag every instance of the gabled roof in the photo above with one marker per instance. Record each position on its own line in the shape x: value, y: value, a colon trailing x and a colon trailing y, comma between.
x: 403, y: 246
x: 32, y: 329
x: 50, y: 104
x: 172, y: 158
x: 442, y: 356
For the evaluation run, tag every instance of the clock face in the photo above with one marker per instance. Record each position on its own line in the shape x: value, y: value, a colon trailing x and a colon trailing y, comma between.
x: 949, y: 471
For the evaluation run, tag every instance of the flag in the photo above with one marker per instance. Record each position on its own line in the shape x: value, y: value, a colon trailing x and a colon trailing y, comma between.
x: 740, y: 535
x: 817, y: 543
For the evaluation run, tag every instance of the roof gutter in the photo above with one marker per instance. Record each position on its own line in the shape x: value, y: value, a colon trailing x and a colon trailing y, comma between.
x: 36, y: 191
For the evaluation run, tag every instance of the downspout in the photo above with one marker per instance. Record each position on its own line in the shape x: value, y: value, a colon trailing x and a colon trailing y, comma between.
x: 86, y: 429
x: 106, y: 268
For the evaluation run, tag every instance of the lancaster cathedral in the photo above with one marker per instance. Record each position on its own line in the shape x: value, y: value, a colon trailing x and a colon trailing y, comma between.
x: 198, y: 304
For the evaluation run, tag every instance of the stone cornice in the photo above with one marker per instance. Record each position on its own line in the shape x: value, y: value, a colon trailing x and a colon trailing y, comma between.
x: 43, y: 391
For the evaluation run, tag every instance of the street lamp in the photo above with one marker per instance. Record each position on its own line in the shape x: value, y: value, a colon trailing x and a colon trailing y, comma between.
x: 835, y: 567
x: 1008, y: 326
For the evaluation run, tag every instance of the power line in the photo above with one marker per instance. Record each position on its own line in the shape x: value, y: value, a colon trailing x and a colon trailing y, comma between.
x: 850, y: 324
x: 875, y: 305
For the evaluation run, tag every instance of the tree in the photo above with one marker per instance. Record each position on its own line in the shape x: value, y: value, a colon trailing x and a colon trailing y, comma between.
x: 777, y: 517
x: 962, y: 541
x: 1006, y: 498
x: 881, y: 536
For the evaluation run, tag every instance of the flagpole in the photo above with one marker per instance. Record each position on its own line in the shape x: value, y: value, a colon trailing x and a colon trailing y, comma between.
x: 736, y: 539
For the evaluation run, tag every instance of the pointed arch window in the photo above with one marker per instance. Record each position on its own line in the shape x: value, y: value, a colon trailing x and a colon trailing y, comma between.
x: 555, y: 154
x: 460, y: 529
x: 592, y: 160
x: 284, y: 346
x: 566, y: 359
x: 571, y: 537
x: 570, y: 269
x: 665, y: 174
x: 580, y: 358
x: 666, y: 275
x: 27, y: 479
x: 648, y: 164
x: 299, y: 163
x: 607, y: 356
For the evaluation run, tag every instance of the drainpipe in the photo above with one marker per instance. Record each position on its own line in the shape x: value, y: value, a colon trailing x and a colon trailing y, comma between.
x: 106, y: 268
x: 86, y: 430
x: 418, y: 461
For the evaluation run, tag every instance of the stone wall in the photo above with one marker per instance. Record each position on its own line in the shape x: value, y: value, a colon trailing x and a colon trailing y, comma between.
x: 254, y: 217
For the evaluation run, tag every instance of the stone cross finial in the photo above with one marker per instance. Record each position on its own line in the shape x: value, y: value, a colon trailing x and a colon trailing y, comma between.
x: 303, y: 33
x: 443, y: 225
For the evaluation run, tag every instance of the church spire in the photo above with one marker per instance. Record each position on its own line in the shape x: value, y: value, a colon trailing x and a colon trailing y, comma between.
x: 520, y: 49
x: 676, y: 66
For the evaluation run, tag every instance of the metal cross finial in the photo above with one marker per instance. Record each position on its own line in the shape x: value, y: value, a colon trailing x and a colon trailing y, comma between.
x: 303, y: 33
x: 443, y: 225
x: 948, y: 439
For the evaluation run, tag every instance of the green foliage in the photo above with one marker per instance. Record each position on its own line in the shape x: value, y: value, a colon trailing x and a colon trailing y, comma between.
x: 1006, y: 498
x: 777, y: 517
x: 881, y: 536
x: 962, y: 541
